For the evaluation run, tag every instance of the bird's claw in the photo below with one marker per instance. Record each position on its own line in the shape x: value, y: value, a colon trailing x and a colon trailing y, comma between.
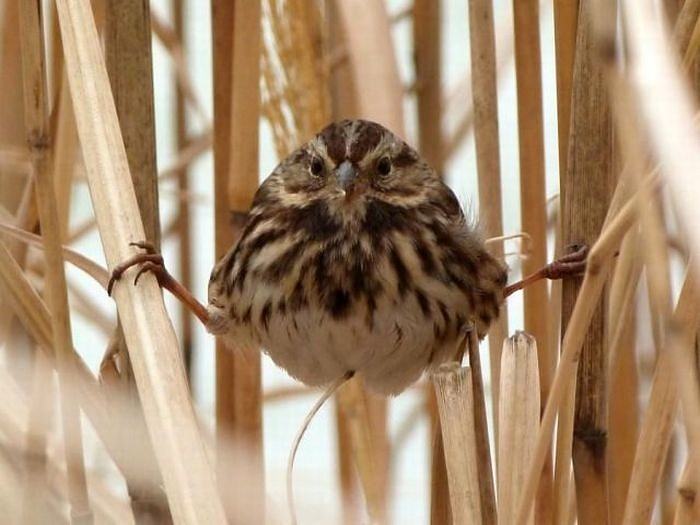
x: 573, y: 263
x: 151, y: 261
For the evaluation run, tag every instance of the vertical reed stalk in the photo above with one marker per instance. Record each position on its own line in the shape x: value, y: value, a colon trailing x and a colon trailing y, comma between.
x: 588, y: 183
x: 183, y: 185
x: 599, y: 260
x: 519, y: 414
x: 153, y: 349
x: 427, y: 40
x: 453, y: 387
x: 533, y: 201
x: 127, y: 33
x: 36, y: 119
x: 238, y: 390
x: 485, y: 103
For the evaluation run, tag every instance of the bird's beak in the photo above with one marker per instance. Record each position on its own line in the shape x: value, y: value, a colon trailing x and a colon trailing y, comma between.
x: 346, y: 174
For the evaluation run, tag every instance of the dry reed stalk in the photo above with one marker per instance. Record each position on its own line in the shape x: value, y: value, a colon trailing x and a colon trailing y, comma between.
x: 485, y: 104
x: 238, y: 389
x: 65, y: 151
x: 12, y: 132
x: 188, y: 478
x: 587, y: 191
x: 565, y: 28
x: 597, y: 268
x: 355, y: 408
x: 26, y: 217
x: 127, y: 35
x: 184, y: 229
x: 519, y: 414
x: 528, y: 74
x: 378, y: 85
x: 453, y: 387
x: 427, y: 40
x: 440, y: 509
x: 295, y: 76
x: 12, y: 138
x: 483, y: 450
x: 458, y: 101
x: 623, y: 381
x: 36, y: 119
x: 222, y: 43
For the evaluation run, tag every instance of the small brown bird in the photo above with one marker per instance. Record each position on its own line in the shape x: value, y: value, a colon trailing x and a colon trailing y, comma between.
x: 355, y: 258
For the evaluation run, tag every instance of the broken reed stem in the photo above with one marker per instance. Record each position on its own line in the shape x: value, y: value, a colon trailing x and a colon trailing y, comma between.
x: 599, y: 260
x: 519, y: 415
x: 37, y: 122
x: 453, y: 387
x: 485, y: 103
x: 153, y: 348
x: 483, y: 449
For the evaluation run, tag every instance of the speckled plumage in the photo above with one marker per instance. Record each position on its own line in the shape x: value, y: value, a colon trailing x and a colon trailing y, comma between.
x: 354, y: 269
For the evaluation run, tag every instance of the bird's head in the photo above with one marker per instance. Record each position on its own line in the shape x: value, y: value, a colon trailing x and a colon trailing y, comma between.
x: 348, y: 164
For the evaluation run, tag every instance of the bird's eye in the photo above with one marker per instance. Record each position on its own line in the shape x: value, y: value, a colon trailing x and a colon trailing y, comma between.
x: 384, y: 166
x: 316, y: 166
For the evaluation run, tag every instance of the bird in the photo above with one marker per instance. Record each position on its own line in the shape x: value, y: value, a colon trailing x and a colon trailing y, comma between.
x: 356, y: 258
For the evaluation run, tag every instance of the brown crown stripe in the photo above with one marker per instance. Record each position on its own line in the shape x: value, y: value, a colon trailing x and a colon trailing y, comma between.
x: 334, y: 139
x: 368, y: 135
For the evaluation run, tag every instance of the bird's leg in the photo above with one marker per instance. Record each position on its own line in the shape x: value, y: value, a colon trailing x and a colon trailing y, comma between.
x: 570, y: 264
x: 152, y: 261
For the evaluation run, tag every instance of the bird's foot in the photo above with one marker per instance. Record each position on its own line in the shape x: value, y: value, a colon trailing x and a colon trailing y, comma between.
x: 573, y: 263
x: 150, y: 261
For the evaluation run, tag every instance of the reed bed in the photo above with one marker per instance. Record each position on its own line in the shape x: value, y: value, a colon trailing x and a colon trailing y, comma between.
x: 609, y: 358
